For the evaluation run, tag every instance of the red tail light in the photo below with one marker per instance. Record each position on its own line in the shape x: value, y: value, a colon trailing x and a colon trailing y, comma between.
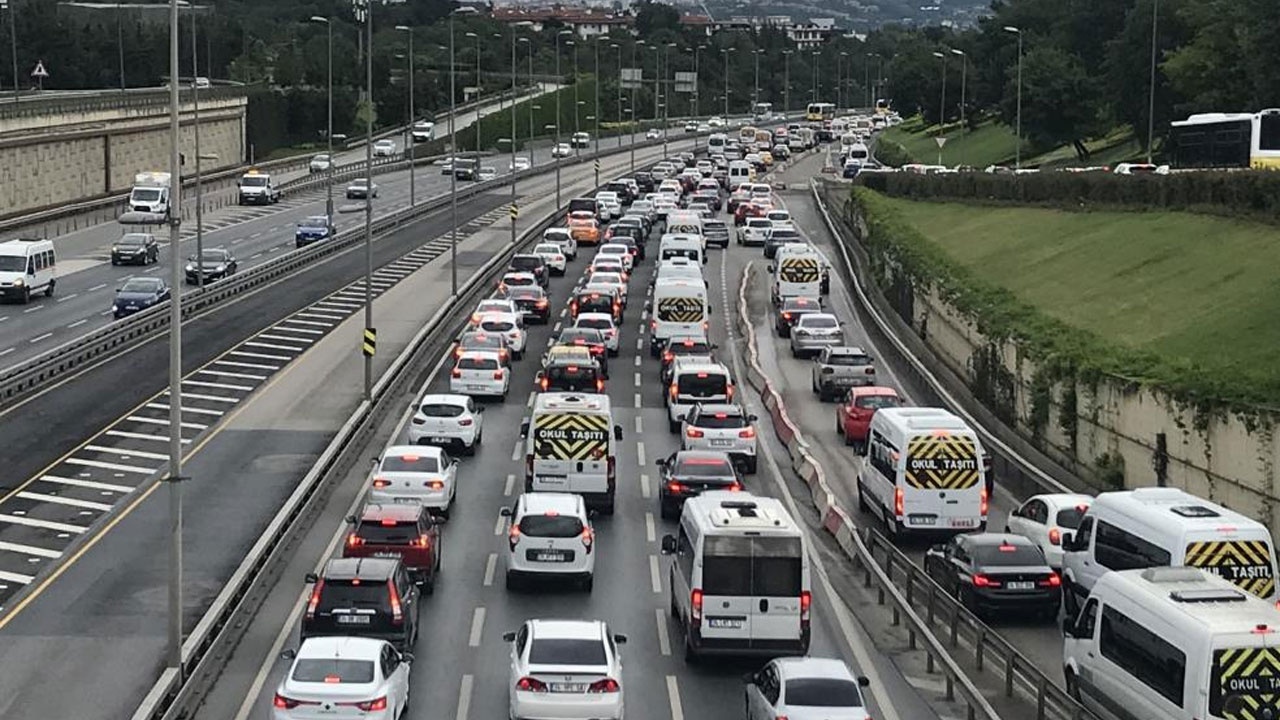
x: 457, y: 351
x: 372, y: 705
x: 1054, y: 580
x: 497, y: 375
x: 544, y: 383
x: 694, y: 433
x: 528, y: 684
x: 806, y: 602
x: 729, y: 391
x: 285, y: 703
x: 747, y: 433
x: 457, y: 373
x: 675, y: 487
x: 315, y: 598
x: 668, y: 356
x: 466, y: 422
x: 423, y: 541
x: 735, y: 487
x: 983, y: 581
x: 786, y: 316
x: 381, y: 482
x: 573, y: 307
x: 513, y: 537
x: 607, y: 685
x: 354, y: 540
x: 435, y: 484
x: 588, y: 539
x: 599, y: 385
x: 1055, y: 536
x: 397, y: 612
x: 653, y: 325
x: 695, y: 604
x: 983, y: 503
x: 899, y: 502
x: 542, y: 303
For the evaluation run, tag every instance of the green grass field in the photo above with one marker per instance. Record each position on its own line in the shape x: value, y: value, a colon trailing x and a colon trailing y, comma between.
x: 1179, y: 285
x: 990, y: 144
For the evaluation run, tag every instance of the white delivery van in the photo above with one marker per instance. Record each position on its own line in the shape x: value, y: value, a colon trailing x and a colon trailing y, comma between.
x: 680, y: 307
x: 716, y: 143
x: 1173, y: 644
x: 1154, y: 526
x: 796, y: 273
x: 258, y: 188
x: 27, y: 266
x: 683, y: 222
x: 740, y: 174
x: 923, y: 472
x: 739, y: 577
x: 695, y: 380
x: 858, y: 151
x: 680, y: 245
x: 150, y: 193
x: 569, y: 447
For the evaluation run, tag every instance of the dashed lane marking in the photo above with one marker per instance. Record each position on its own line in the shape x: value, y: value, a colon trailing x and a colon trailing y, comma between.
x: 477, y: 627
x: 639, y: 424
x: 655, y: 576
x: 464, y: 698
x: 510, y: 486
x: 489, y: 567
x: 29, y: 550
x: 664, y: 637
x: 644, y: 486
x: 673, y: 698
x: 500, y: 526
x: 640, y: 458
x: 650, y: 532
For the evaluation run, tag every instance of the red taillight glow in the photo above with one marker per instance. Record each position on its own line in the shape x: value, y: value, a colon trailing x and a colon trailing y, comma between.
x: 372, y: 705
x: 422, y: 541
x: 695, y: 604
x: 588, y: 539
x: 747, y: 433
x: 1055, y: 536
x: 607, y: 685
x: 465, y: 422
x: 435, y: 484
x: 397, y: 612
x: 668, y: 356
x: 983, y: 581
x: 694, y: 433
x: 315, y: 598
x: 1054, y: 580
x: 354, y: 540
x: 983, y: 503
x: 457, y: 373
x: 285, y: 703
x: 528, y: 684
x: 497, y: 375
x: 381, y: 482
x: 806, y: 602
x: 899, y: 502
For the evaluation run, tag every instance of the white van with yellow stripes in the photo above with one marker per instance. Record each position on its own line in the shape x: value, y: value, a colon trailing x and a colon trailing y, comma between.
x: 923, y: 472
x: 796, y: 273
x: 679, y: 307
x: 1173, y: 644
x: 1155, y: 526
x: 570, y: 447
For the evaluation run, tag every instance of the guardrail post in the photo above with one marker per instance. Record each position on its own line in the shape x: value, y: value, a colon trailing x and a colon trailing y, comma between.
x: 929, y: 604
x: 979, y: 644
x: 955, y: 625
x: 1009, y: 664
x: 911, y: 584
x: 1040, y: 693
x: 951, y: 688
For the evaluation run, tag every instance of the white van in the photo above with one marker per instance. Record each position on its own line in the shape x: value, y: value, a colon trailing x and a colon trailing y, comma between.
x: 923, y: 472
x: 739, y: 577
x: 716, y: 143
x: 679, y: 268
x: 683, y: 222
x: 796, y: 273
x: 1173, y: 644
x: 679, y: 307
x: 694, y: 380
x: 740, y: 173
x: 569, y: 447
x: 858, y: 151
x: 1154, y: 526
x: 681, y: 245
x: 27, y: 266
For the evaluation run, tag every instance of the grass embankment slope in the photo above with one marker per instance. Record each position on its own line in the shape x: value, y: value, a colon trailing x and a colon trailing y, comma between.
x: 992, y: 143
x: 1181, y: 286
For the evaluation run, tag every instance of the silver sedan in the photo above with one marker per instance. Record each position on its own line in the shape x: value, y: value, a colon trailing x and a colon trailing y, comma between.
x: 805, y: 688
x: 813, y: 332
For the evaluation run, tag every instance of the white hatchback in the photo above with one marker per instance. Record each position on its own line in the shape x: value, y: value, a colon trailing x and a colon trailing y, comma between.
x: 489, y: 305
x: 564, y: 238
x: 507, y: 324
x: 604, y: 323
x: 615, y: 250
x: 553, y: 256
x: 384, y: 148
x: 351, y: 676
x: 565, y: 669
x: 416, y: 475
x: 480, y: 373
x: 450, y: 421
x: 550, y: 537
x: 1048, y: 521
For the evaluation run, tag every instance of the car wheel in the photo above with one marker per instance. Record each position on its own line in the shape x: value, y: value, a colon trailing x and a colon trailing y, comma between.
x: 665, y: 510
x: 429, y: 585
x: 114, y: 262
x: 1072, y: 685
x: 690, y: 653
x: 675, y: 611
x: 512, y: 583
x: 587, y: 585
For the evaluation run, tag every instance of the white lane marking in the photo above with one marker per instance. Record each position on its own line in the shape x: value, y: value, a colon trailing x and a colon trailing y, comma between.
x: 47, y: 525
x: 639, y: 425
x: 249, y: 366
x: 162, y: 421
x: 92, y: 485
x: 489, y: 567
x: 637, y: 361
x: 655, y: 577
x: 32, y: 309
x: 529, y: 402
x: 78, y: 323
x: 477, y: 627
x: 65, y: 298
x: 644, y: 485
x: 510, y: 486
x: 664, y: 638
x: 141, y: 436
x: 640, y: 454
x: 673, y: 697
x: 97, y: 287
x: 637, y: 380
x: 30, y: 550
x: 38, y: 338
x: 59, y: 500
x: 261, y: 356
x: 500, y: 525
x: 639, y: 343
x: 110, y: 466
x: 185, y: 409
x: 515, y: 451
x: 556, y: 329
x: 125, y: 453
x: 16, y: 577
x: 228, y: 373
x: 638, y: 401
x: 6, y: 351
x: 464, y: 698
x: 649, y: 532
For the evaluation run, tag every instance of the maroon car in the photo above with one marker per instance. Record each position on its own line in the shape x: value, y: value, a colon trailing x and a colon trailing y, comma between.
x: 408, y: 532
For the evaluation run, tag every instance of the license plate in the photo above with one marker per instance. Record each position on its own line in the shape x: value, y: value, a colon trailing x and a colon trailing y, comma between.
x: 406, y: 501
x: 963, y: 523
x: 550, y: 556
x: 1020, y: 585
x: 475, y: 387
x: 721, y: 443
x: 725, y: 623
x: 386, y: 555
x: 923, y: 520
x: 568, y: 687
x: 353, y: 619
x: 553, y: 479
x: 438, y: 439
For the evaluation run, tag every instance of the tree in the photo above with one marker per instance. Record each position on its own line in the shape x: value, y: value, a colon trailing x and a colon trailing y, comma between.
x: 1059, y: 100
x: 1128, y: 67
x: 652, y: 17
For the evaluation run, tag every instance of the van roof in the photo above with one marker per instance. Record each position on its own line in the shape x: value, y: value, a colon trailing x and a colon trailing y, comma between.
x: 914, y: 419
x: 1165, y: 505
x: 699, y: 363
x: 727, y: 513
x: 1194, y: 596
x: 575, y: 401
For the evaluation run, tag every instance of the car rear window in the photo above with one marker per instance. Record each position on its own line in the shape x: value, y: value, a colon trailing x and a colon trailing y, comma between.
x: 822, y: 323
x: 333, y: 670
x: 596, y: 323
x: 346, y: 594
x: 566, y: 651
x: 576, y: 373
x: 519, y: 280
x: 526, y: 263
x: 769, y: 567
x: 497, y: 325
x: 848, y: 360
x: 1070, y: 518
x: 587, y: 335
x: 876, y: 402
x: 467, y: 362
x: 822, y: 692
x: 398, y: 533
x: 481, y: 341
x: 410, y: 463
x: 704, y: 467
x: 1008, y: 555
x: 702, y: 384
x: 721, y: 420
x: 551, y: 526
x: 441, y: 410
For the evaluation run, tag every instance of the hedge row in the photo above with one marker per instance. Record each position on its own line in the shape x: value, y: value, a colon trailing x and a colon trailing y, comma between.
x: 899, y: 249
x: 1255, y: 195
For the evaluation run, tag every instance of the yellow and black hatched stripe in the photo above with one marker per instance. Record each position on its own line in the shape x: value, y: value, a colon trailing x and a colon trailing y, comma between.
x: 799, y: 270
x: 931, y: 462
x: 1247, y: 563
x: 571, y: 436
x: 680, y: 309
x: 1245, y: 678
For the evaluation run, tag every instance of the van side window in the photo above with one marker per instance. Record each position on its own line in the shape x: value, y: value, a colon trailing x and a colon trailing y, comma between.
x: 1088, y: 619
x: 1118, y: 549
x: 31, y: 265
x: 684, y: 555
x: 881, y: 455
x: 49, y: 260
x: 1146, y: 656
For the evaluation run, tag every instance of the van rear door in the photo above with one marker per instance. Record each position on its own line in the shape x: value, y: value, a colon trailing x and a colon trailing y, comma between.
x: 942, y: 482
x: 777, y: 588
x: 1245, y: 557
x: 726, y: 590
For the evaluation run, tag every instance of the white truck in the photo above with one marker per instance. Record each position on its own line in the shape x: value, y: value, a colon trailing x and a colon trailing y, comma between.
x: 150, y: 193
x: 258, y: 188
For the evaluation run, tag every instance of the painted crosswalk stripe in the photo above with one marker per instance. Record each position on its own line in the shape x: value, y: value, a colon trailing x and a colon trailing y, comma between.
x: 31, y: 550
x: 122, y: 452
x: 228, y: 373
x: 59, y: 500
x: 261, y: 356
x: 218, y: 386
x: 109, y: 466
x: 279, y: 338
x: 45, y: 524
x: 16, y: 577
x: 247, y: 366
x: 186, y: 409
x: 270, y: 346
x: 91, y: 484
x: 141, y: 436
x: 159, y: 421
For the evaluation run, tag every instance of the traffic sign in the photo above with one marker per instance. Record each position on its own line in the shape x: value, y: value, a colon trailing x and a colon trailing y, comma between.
x: 515, y: 211
x: 370, y: 344
x: 40, y: 72
x: 941, y: 141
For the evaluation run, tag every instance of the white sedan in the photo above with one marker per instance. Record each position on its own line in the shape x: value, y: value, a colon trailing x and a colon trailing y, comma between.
x: 1048, y: 521
x: 653, y: 134
x: 450, y: 421
x: 520, y: 163
x: 554, y: 256
x: 489, y: 305
x: 509, y: 325
x: 615, y: 250
x: 488, y: 172
x: 561, y: 150
x: 369, y: 676
x: 565, y: 669
x: 480, y: 373
x: 804, y: 688
x: 384, y: 148
x: 417, y: 475
x: 604, y: 323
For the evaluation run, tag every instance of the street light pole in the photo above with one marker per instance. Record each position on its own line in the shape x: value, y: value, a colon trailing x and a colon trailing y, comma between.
x: 755, y: 94
x: 556, y: 148
x: 477, y: 39
x: 1018, y: 132
x: 453, y: 154
x: 368, y: 195
x: 120, y: 43
x: 725, y: 52
x: 942, y: 108
x: 1151, y: 100
x: 666, y: 96
x: 413, y: 193
x: 532, y: 106
x: 866, y: 80
x: 619, y: 88
x: 634, y: 65
x: 175, y: 352
x: 697, y: 77
x: 514, y: 209
x: 195, y: 116
x: 13, y: 46
x: 577, y: 114
x: 328, y: 204
x: 964, y: 72
x: 597, y: 132
x: 786, y: 82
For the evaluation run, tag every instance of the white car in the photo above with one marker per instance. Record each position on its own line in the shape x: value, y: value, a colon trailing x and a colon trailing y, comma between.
x: 716, y: 121
x: 755, y: 232
x: 423, y: 130
x: 607, y: 264
x: 520, y: 163
x: 779, y: 218
x: 384, y: 148
x: 611, y: 203
x: 489, y: 305
x: 564, y: 238
x: 488, y: 172
x: 723, y: 428
x: 653, y: 134
x: 615, y: 250
x: 360, y: 189
x: 448, y: 421
x: 480, y: 373
x: 416, y: 474
x: 368, y: 676
x: 691, y: 126
x: 604, y: 323
x: 510, y: 326
x: 553, y: 256
x: 561, y: 150
x: 550, y: 538
x: 321, y: 163
x: 565, y: 669
x: 1048, y: 521
x: 805, y: 688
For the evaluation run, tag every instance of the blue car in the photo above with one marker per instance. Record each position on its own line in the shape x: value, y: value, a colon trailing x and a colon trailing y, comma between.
x: 313, y: 229
x: 139, y: 294
x: 852, y: 168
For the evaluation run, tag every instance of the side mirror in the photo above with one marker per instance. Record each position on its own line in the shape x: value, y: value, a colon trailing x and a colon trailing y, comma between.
x: 617, y: 432
x: 509, y: 636
x: 479, y: 409
x: 660, y: 462
x: 593, y: 514
x: 749, y: 678
x: 311, y: 578
x: 752, y: 418
x: 407, y: 657
x: 771, y: 267
x: 119, y: 289
x: 373, y: 460
x: 863, y: 681
x: 524, y: 429
x: 620, y: 639
x: 505, y: 512
x: 668, y: 544
x: 288, y: 654
x: 351, y: 519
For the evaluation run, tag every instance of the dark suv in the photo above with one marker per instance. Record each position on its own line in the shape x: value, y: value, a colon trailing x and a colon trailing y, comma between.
x: 405, y: 530
x: 680, y: 346
x: 363, y: 597
x: 567, y: 375
x: 531, y: 263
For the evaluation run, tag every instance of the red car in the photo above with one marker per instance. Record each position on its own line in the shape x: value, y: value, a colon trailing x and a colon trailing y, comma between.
x: 746, y: 210
x: 407, y: 531
x: 853, y: 415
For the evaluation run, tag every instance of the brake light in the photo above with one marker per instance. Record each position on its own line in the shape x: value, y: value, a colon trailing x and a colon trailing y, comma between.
x: 285, y: 703
x: 695, y: 604
x: 672, y: 391
x: 372, y: 705
x: 497, y: 375
x: 735, y: 487
x: 354, y: 540
x: 465, y: 422
x: 899, y: 502
x: 457, y: 351
x: 806, y: 602
x: 475, y: 318
x: 747, y: 433
x: 315, y: 598
x: 983, y: 581
x: 1055, y: 536
x: 668, y: 356
x: 729, y: 392
x: 599, y: 385
x: 397, y: 613
x: 607, y: 685
x: 588, y: 539
x: 542, y: 303
x: 694, y: 433
x: 1054, y: 580
x: 423, y: 541
x: 786, y: 316
x: 675, y: 487
x: 381, y: 482
x: 982, y: 503
x: 457, y: 373
x: 573, y: 307
x: 435, y: 484
x: 528, y: 684
x: 513, y: 536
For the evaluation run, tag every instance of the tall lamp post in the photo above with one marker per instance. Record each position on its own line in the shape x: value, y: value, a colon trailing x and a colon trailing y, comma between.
x: 615, y: 46
x: 786, y: 82
x: 635, y: 63
x: 844, y: 69
x: 556, y: 149
x: 120, y: 42
x: 364, y: 14
x: 964, y: 72
x: 942, y: 108
x: 866, y: 80
x: 576, y: 102
x: 13, y: 47
x: 477, y: 39
x: 1017, y: 163
x: 697, y: 76
x: 533, y: 107
x: 413, y: 194
x: 328, y: 204
x: 453, y: 150
x: 755, y: 93
x: 666, y: 95
x: 597, y: 117
x: 1151, y: 99
x: 725, y: 52
x: 174, y: 478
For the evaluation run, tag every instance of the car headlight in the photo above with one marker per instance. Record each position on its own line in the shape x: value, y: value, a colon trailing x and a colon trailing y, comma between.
x: 220, y: 268
x: 191, y: 268
x: 19, y: 282
x: 115, y: 306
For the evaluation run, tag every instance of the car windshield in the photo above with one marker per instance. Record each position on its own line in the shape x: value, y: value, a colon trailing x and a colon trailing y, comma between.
x: 1070, y: 518
x: 721, y: 420
x: 848, y: 360
x: 333, y: 670
x: 820, y: 322
x: 566, y: 651
x: 526, y: 293
x: 597, y: 323
x: 254, y: 181
x: 703, y: 467
x: 146, y: 195
x: 581, y: 336
x: 315, y: 221
x: 141, y: 285
x: 497, y: 325
x: 411, y: 463
x: 469, y: 362
x: 876, y: 402
x: 1007, y: 555
x: 212, y: 256
x: 441, y: 410
x: 132, y: 241
x: 822, y: 692
x: 551, y: 526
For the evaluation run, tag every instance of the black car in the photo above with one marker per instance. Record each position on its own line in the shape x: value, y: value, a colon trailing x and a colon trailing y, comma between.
x: 568, y: 375
x: 588, y: 300
x: 687, y: 473
x: 681, y: 346
x: 138, y: 294
x: 996, y: 572
x: 645, y: 181
x: 623, y: 189
x: 363, y: 597
x: 716, y: 232
x: 135, y: 249
x: 530, y: 263
x: 590, y: 338
x: 533, y: 302
x: 213, y: 264
x: 466, y: 169
x: 688, y: 159
x: 791, y: 310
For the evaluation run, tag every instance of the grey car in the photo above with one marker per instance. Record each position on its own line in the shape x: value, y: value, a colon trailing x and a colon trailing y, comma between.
x: 813, y: 332
x: 805, y: 688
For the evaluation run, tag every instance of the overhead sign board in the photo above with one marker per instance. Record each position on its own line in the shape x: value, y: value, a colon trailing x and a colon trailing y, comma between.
x: 632, y: 78
x: 686, y: 82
